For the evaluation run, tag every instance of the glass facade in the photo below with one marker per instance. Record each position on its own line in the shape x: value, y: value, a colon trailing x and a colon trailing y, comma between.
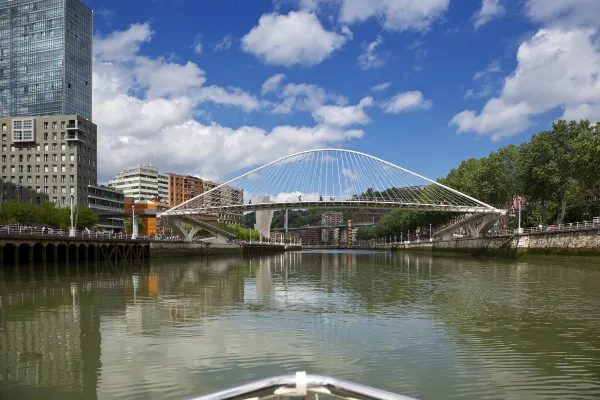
x: 45, y: 58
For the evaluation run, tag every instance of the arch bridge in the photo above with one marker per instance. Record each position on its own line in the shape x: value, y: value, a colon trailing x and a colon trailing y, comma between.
x: 325, y: 178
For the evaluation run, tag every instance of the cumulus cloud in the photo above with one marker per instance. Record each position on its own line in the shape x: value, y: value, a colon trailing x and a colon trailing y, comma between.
x: 344, y: 116
x: 571, y: 13
x: 295, y: 38
x: 558, y: 67
x: 406, y: 101
x: 490, y: 9
x: 145, y: 109
x: 369, y: 58
x: 396, y: 15
x: 122, y: 45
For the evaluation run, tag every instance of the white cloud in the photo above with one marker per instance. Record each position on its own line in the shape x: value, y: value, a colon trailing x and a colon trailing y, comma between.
x: 558, y: 67
x: 406, y: 101
x: 272, y: 84
x: 122, y: 45
x: 490, y: 9
x: 191, y: 147
x: 232, y: 97
x: 197, y: 46
x: 398, y: 15
x: 492, y: 68
x: 571, y: 13
x: 381, y: 87
x: 369, y: 58
x: 144, y: 112
x: 295, y: 38
x: 486, y: 79
x: 344, y: 116
x: 224, y: 44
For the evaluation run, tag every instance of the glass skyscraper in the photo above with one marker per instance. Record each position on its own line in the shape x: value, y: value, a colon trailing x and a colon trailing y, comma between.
x: 45, y: 58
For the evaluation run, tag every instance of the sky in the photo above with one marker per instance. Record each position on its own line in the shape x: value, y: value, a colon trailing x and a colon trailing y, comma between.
x: 214, y: 88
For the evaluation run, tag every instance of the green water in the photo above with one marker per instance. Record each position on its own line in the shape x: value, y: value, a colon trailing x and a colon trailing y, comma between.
x: 422, y: 326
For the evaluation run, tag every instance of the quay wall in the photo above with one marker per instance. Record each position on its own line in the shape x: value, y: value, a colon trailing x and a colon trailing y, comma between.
x: 181, y: 249
x: 569, y: 243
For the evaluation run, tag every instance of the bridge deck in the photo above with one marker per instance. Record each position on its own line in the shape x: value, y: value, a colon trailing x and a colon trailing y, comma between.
x: 332, y: 204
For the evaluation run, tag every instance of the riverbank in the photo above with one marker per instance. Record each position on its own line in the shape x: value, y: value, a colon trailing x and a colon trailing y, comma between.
x: 570, y: 243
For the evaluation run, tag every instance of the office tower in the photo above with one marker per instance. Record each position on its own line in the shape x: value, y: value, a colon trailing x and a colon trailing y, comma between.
x: 45, y: 58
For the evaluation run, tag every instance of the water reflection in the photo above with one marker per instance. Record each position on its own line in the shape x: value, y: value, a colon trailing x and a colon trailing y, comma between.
x: 425, y: 326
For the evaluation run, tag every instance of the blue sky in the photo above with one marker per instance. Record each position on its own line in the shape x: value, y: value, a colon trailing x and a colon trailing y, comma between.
x: 215, y: 87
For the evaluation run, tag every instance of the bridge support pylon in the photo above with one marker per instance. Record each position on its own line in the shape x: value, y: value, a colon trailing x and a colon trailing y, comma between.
x: 178, y: 224
x: 476, y: 225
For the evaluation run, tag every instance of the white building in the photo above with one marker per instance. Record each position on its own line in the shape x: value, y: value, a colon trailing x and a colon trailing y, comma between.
x: 142, y: 182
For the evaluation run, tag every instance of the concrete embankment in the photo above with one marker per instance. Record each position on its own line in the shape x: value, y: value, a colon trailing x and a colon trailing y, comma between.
x: 569, y: 243
x: 179, y: 249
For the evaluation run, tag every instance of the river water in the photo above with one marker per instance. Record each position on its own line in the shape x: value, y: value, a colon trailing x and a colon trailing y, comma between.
x: 427, y: 327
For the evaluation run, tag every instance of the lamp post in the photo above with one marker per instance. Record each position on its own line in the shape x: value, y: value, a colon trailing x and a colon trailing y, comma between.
x: 134, y: 226
x: 72, y: 229
x: 519, y: 204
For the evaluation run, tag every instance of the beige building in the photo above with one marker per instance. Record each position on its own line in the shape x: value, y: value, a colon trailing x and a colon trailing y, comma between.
x: 53, y: 156
x: 331, y: 218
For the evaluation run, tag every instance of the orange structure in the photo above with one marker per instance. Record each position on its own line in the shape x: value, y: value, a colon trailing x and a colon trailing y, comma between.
x: 146, y: 211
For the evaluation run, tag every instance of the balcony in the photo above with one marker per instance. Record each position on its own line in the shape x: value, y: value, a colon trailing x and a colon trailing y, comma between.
x: 76, y: 135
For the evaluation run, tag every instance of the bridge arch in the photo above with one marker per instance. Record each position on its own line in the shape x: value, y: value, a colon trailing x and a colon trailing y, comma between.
x: 330, y: 178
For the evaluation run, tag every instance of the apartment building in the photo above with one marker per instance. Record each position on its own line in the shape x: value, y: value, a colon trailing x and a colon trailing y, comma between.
x: 331, y: 218
x: 183, y: 188
x: 53, y: 156
x: 142, y: 182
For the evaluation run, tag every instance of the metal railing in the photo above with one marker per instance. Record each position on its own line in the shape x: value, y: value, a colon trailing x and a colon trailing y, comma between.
x: 574, y: 226
x: 24, y: 230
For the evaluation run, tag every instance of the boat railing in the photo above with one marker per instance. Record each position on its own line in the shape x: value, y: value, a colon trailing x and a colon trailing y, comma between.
x: 302, y: 385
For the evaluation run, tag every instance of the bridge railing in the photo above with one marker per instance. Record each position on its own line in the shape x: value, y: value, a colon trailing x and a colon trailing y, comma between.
x: 575, y: 226
x: 24, y: 230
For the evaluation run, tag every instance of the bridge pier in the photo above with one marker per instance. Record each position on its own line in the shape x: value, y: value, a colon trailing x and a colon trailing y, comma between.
x: 177, y: 222
x: 476, y: 225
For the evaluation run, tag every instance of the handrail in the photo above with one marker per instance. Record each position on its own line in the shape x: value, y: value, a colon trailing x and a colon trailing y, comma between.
x: 301, y: 384
x: 23, y: 230
x: 573, y: 226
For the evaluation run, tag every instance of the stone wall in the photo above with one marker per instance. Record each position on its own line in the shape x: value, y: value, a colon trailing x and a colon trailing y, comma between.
x: 581, y: 242
x: 179, y: 249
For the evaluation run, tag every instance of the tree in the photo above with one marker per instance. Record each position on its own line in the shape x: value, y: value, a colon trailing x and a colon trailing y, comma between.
x: 550, y: 168
x: 129, y: 224
x: 86, y: 218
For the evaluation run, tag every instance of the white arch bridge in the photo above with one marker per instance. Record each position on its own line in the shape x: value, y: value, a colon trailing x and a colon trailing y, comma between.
x: 325, y: 178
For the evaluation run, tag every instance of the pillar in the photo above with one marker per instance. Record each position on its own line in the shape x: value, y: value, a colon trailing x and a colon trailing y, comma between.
x: 44, y: 245
x: 86, y: 252
x: 30, y: 254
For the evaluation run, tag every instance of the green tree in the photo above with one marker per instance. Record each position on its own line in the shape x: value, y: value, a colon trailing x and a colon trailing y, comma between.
x: 129, y: 224
x: 550, y: 168
x: 86, y: 218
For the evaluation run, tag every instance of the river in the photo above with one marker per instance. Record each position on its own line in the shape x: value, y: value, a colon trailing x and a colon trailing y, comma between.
x: 427, y: 327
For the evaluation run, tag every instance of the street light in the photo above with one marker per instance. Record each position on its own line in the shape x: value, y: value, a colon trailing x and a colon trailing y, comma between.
x: 134, y: 226
x: 72, y: 230
x: 519, y: 231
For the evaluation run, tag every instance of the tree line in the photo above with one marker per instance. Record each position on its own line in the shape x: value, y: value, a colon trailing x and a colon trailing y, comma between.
x: 14, y: 212
x: 557, y: 171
